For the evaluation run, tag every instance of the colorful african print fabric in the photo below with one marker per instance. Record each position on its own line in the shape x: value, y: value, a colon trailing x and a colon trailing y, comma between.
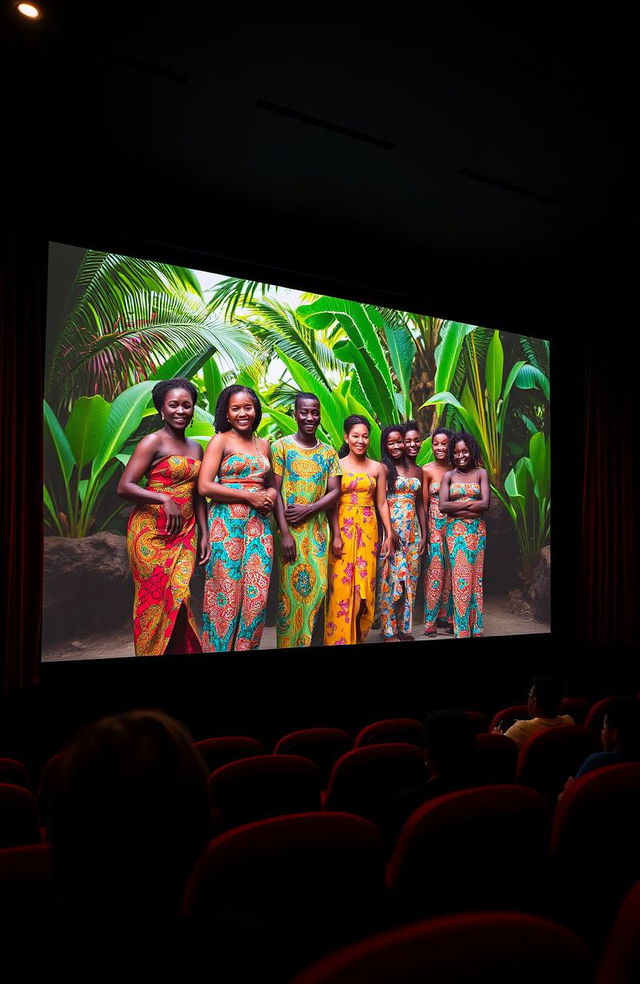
x: 239, y: 569
x: 438, y: 602
x: 399, y: 573
x: 303, y: 583
x: 466, y: 541
x: 162, y: 564
x: 352, y: 577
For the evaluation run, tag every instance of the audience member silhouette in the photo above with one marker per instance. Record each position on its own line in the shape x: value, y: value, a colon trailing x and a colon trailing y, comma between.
x: 129, y: 821
x: 543, y: 703
x: 620, y: 737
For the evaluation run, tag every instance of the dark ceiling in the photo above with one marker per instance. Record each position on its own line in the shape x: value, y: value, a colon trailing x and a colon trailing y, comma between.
x: 399, y: 152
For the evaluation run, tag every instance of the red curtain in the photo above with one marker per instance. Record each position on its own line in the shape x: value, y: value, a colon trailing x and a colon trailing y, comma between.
x: 23, y: 272
x: 607, y: 584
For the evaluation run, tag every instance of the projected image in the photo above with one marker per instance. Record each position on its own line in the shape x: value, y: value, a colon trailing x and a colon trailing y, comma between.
x: 232, y: 465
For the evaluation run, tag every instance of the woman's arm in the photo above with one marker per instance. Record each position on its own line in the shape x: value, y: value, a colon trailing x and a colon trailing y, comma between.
x: 422, y: 515
x: 390, y: 541
x: 200, y: 510
x: 337, y: 545
x: 479, y: 506
x: 446, y: 506
x: 128, y: 488
x: 216, y: 491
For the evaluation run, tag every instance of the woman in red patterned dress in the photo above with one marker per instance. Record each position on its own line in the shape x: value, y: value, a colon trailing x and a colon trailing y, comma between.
x: 161, y: 536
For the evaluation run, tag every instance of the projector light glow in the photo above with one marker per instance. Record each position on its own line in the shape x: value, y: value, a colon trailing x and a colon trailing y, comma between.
x: 28, y: 10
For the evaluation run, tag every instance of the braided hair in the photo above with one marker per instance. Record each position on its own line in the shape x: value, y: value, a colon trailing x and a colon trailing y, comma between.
x: 472, y: 444
x: 351, y: 421
x: 221, y: 421
x: 385, y: 457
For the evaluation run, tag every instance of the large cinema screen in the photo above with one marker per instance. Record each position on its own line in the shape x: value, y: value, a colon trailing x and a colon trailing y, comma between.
x: 234, y: 465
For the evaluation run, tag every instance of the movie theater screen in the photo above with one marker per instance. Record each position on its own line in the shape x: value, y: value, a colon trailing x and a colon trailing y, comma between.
x: 233, y: 465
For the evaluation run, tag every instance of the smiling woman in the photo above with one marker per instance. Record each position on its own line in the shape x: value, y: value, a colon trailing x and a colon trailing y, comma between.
x: 161, y: 536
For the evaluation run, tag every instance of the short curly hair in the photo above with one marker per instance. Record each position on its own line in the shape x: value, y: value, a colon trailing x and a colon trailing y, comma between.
x: 221, y: 422
x: 472, y: 444
x: 160, y: 390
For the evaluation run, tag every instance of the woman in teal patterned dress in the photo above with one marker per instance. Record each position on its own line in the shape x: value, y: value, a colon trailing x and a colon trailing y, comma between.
x: 464, y: 498
x: 236, y: 476
x: 399, y: 573
x: 438, y: 603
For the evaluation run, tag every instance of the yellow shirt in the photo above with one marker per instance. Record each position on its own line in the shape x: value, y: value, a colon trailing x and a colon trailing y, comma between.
x: 522, y: 730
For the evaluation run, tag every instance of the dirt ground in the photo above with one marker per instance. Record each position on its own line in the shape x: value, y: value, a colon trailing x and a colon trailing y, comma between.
x: 498, y: 621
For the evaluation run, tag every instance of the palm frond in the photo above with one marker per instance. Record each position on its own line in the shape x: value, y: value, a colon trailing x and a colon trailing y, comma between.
x: 277, y: 325
x: 149, y: 327
x: 537, y: 352
x: 235, y: 292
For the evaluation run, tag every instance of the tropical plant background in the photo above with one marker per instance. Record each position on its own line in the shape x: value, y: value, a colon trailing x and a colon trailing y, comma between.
x: 125, y: 322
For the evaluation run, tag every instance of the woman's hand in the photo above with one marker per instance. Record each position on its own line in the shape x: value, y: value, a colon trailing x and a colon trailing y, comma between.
x: 385, y: 549
x: 205, y: 550
x: 287, y: 548
x: 261, y: 500
x: 337, y: 547
x: 422, y: 546
x: 174, y: 516
x: 296, y: 513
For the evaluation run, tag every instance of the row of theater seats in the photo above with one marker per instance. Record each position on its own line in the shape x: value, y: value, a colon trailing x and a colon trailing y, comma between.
x: 318, y: 881
x: 309, y: 849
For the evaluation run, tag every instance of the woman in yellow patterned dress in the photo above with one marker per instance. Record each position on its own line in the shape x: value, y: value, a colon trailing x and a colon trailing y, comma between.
x: 307, y: 475
x: 161, y: 536
x: 354, y: 549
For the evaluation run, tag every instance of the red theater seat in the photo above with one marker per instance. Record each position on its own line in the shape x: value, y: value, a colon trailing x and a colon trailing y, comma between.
x: 595, y: 846
x: 368, y: 781
x: 264, y: 786
x: 595, y: 718
x: 324, y: 746
x: 18, y: 817
x: 408, y: 731
x: 473, y: 849
x: 475, y: 948
x: 14, y: 772
x: 220, y: 751
x: 621, y: 961
x: 577, y: 707
x: 546, y: 760
x: 496, y: 759
x: 312, y: 881
x: 510, y: 714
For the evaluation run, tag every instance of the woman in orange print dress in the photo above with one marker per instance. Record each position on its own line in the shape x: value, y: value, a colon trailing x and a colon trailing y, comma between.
x: 354, y: 549
x: 161, y: 536
x: 464, y: 498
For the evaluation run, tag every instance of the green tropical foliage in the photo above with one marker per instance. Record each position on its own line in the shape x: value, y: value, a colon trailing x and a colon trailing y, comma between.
x: 124, y: 317
x: 483, y: 406
x: 526, y: 498
x: 85, y: 455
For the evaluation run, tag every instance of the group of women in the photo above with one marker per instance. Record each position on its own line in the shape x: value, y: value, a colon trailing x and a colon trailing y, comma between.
x: 382, y: 516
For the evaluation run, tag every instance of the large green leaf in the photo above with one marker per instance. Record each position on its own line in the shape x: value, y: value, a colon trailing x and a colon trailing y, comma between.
x: 402, y: 350
x: 124, y: 417
x: 363, y: 325
x: 380, y: 397
x: 213, y: 382
x: 85, y: 427
x: 494, y: 367
x: 529, y: 377
x: 539, y: 455
x: 60, y: 443
x: 511, y: 378
x: 447, y: 353
x: 286, y: 423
